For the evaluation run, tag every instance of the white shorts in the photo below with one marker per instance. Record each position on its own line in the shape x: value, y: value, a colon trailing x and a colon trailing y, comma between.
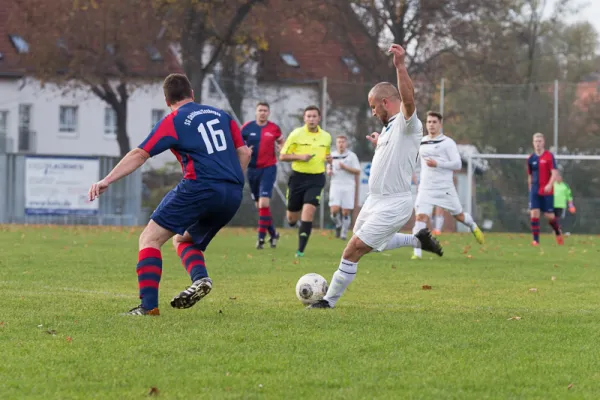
x: 446, y: 199
x: 342, y: 196
x: 381, y: 217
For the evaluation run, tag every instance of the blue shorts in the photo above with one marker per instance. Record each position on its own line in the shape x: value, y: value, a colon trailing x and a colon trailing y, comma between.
x: 199, y: 208
x: 543, y: 203
x: 261, y: 181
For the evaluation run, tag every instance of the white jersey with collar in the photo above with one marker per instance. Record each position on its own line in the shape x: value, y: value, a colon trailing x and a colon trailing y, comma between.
x: 341, y: 177
x: 444, y: 151
x: 396, y: 156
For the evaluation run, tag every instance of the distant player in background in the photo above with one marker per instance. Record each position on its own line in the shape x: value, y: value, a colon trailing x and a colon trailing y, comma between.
x: 208, y: 145
x: 563, y: 200
x: 542, y: 173
x: 439, y: 159
x: 344, y: 171
x: 308, y: 148
x: 261, y: 136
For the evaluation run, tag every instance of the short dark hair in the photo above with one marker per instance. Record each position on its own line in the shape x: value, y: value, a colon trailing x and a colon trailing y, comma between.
x: 341, y: 137
x: 264, y: 104
x: 177, y: 87
x: 312, y: 108
x: 435, y: 114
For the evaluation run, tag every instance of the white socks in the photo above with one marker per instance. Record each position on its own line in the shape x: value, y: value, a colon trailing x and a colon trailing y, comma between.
x: 345, y: 226
x: 340, y: 281
x: 337, y: 220
x: 418, y: 226
x: 469, y: 221
x: 402, y: 240
x: 439, y: 222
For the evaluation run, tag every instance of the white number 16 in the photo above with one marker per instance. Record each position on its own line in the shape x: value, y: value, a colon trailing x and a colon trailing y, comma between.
x: 218, y: 137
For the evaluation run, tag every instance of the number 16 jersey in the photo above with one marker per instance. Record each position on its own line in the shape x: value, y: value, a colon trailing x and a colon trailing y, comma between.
x: 204, y: 140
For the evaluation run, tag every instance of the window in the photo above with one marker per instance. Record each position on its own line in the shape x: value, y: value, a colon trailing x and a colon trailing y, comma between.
x: 351, y: 64
x: 154, y: 53
x: 157, y: 115
x: 24, y: 115
x: 68, y: 119
x: 289, y: 59
x: 110, y: 121
x: 3, y: 123
x: 20, y: 44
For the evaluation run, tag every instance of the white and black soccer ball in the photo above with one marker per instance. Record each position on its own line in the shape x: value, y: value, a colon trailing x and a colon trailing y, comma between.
x: 311, y: 288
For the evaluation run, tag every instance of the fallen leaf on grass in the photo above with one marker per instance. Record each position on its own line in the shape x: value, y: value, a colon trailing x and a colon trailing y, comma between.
x: 296, y: 262
x: 69, y: 339
x: 153, y: 391
x: 51, y: 332
x: 570, y: 386
x: 532, y: 290
x: 249, y: 255
x: 1, y: 324
x: 466, y: 249
x: 227, y: 374
x: 469, y: 256
x: 555, y: 265
x: 393, y: 267
x: 233, y: 298
x: 553, y: 278
x: 220, y: 311
x: 426, y: 287
x: 515, y: 318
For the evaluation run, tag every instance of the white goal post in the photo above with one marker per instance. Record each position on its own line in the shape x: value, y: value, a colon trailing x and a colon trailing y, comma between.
x: 473, y: 158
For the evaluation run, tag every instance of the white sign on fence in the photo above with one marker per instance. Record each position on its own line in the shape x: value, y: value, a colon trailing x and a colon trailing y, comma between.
x: 363, y: 184
x: 59, y: 185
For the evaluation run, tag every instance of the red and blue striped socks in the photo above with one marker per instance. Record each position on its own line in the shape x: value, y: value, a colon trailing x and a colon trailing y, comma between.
x: 149, y: 271
x: 535, y: 229
x: 265, y: 223
x: 554, y: 224
x: 192, y: 259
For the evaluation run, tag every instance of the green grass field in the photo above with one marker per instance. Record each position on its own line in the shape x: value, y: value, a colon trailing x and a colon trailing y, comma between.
x: 61, y: 290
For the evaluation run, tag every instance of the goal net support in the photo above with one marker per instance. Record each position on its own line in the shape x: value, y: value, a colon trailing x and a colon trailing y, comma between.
x: 497, y: 194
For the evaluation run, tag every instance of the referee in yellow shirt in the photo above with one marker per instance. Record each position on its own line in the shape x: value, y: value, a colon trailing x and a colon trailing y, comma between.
x: 308, y: 149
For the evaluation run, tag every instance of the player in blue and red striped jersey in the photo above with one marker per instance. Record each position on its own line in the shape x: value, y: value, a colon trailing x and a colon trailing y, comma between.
x: 261, y: 136
x: 542, y: 173
x: 213, y: 156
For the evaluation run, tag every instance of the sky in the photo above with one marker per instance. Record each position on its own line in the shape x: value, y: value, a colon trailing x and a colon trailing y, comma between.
x: 589, y: 11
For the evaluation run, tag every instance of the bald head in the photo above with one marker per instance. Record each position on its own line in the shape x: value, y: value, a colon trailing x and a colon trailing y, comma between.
x: 384, y: 90
x: 384, y: 100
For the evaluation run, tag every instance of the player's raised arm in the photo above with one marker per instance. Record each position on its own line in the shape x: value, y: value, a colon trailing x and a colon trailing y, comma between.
x: 405, y: 85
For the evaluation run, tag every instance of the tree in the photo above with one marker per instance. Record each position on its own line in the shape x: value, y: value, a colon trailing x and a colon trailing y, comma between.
x: 108, y: 47
x: 204, y: 31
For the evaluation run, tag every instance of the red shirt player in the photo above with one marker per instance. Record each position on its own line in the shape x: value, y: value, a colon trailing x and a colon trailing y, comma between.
x: 542, y: 172
x: 261, y: 136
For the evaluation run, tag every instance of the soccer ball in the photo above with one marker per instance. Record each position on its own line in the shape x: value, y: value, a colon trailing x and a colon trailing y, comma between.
x: 311, y: 288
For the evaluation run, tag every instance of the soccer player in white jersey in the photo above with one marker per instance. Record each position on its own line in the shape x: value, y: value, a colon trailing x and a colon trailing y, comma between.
x: 439, y: 159
x: 389, y: 205
x: 344, y: 171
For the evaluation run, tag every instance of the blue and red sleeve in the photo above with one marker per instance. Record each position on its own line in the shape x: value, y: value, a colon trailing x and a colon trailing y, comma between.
x: 277, y: 132
x: 163, y: 137
x: 529, y: 165
x: 236, y: 135
x: 245, y: 131
x: 553, y: 161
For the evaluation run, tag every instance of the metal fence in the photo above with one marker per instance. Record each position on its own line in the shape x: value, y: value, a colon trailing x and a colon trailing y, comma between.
x: 120, y: 205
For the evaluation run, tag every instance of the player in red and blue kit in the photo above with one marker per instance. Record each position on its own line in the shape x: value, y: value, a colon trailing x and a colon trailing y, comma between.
x: 542, y: 172
x: 209, y: 146
x: 261, y: 136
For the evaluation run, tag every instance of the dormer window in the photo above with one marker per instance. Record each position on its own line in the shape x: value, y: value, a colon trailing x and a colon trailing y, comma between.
x: 20, y: 44
x: 351, y: 64
x: 290, y: 60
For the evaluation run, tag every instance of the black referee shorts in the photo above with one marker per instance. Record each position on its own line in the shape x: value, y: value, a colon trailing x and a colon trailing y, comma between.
x: 304, y: 189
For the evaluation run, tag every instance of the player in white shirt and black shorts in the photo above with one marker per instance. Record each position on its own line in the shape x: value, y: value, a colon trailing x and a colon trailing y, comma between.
x: 439, y: 159
x: 344, y: 171
x: 389, y: 205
